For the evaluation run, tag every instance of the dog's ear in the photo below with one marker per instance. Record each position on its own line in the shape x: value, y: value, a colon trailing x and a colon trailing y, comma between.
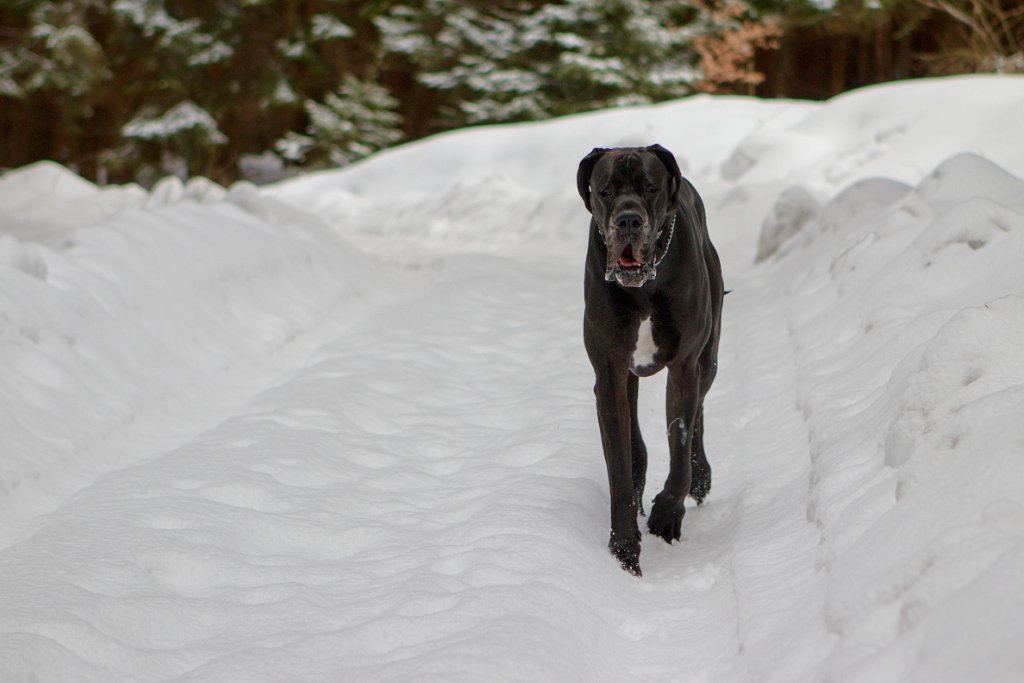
x: 583, y: 174
x: 671, y: 165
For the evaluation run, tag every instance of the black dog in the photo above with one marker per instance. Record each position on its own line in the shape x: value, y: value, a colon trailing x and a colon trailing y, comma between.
x: 653, y: 293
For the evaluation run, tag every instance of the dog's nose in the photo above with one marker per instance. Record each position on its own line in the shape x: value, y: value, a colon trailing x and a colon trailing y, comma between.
x: 628, y: 220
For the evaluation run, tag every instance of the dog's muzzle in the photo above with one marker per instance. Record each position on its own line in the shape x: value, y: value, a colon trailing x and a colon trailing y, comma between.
x: 641, y: 273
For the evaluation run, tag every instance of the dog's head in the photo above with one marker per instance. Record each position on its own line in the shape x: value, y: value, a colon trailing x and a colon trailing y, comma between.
x: 631, y: 191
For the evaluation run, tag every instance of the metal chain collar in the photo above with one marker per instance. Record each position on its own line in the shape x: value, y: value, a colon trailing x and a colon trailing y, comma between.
x: 671, y: 234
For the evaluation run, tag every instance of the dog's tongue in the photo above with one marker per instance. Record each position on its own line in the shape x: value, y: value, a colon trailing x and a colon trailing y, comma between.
x: 627, y: 257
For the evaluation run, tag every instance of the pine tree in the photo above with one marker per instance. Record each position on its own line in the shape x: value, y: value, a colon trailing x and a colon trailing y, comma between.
x: 132, y: 89
x: 529, y: 61
x: 477, y: 56
x: 51, y: 68
x: 619, y: 52
x: 60, y: 56
x: 354, y: 121
x: 173, y: 142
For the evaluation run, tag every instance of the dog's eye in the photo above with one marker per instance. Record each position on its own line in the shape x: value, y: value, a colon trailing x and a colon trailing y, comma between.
x: 605, y: 192
x: 652, y: 188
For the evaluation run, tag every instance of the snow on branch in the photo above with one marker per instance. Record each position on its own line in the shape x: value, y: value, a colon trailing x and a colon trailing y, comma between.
x: 185, y: 116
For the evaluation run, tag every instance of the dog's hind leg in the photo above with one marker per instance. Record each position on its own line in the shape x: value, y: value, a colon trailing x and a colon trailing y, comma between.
x: 700, y: 481
x: 638, y: 450
x: 682, y: 401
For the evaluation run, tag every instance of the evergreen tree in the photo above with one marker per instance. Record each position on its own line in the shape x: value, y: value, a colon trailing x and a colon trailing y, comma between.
x: 352, y: 122
x: 619, y: 52
x: 478, y: 57
x: 60, y: 56
x: 129, y: 89
x: 529, y: 61
x: 51, y: 72
x: 174, y: 142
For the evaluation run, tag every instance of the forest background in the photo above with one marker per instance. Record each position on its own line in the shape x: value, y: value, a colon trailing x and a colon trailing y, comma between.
x: 132, y: 90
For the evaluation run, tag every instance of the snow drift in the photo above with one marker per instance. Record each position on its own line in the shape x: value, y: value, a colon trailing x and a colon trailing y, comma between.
x: 341, y: 428
x: 133, y: 303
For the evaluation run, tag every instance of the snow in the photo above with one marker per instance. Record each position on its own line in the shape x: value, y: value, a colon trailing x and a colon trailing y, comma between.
x: 183, y: 116
x: 152, y: 18
x: 215, y: 52
x: 342, y: 428
x: 329, y: 27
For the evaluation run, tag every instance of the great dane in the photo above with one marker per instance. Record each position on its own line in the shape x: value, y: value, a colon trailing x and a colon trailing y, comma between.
x: 653, y: 292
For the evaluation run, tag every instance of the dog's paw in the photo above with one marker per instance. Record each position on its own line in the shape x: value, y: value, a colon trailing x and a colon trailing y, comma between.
x: 628, y: 553
x: 666, y: 518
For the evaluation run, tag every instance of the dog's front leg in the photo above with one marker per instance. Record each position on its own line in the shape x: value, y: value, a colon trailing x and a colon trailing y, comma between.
x: 614, y: 418
x: 681, y: 405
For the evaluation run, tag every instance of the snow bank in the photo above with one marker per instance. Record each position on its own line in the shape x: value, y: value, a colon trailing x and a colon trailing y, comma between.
x: 116, y: 324
x: 895, y: 130
x: 44, y: 201
x: 503, y: 187
x: 912, y: 381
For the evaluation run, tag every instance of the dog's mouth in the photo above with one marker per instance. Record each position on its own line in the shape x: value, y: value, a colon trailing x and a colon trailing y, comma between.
x: 626, y: 259
x: 628, y: 271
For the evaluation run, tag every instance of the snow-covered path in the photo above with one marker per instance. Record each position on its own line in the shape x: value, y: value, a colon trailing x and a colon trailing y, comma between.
x: 444, y: 453
x: 343, y: 429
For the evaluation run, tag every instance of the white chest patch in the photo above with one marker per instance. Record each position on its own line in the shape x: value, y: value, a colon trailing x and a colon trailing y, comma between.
x: 643, y: 354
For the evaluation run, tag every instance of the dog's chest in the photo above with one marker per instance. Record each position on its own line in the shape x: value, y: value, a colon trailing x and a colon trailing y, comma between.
x: 642, y: 362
